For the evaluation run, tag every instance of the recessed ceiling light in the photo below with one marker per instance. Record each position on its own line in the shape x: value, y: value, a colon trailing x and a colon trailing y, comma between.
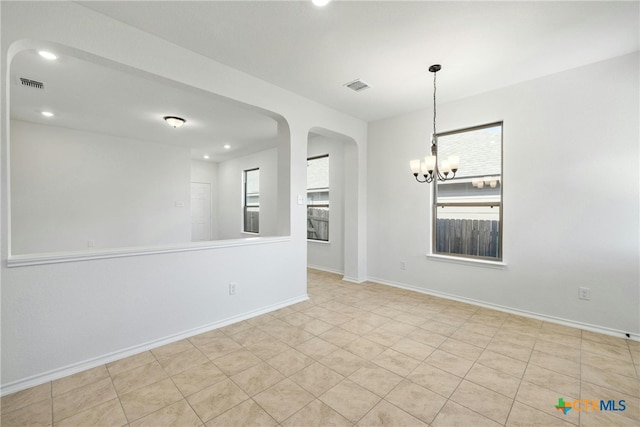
x: 174, y: 121
x: 321, y: 2
x: 47, y: 55
x: 227, y: 146
x: 47, y: 113
x: 206, y: 157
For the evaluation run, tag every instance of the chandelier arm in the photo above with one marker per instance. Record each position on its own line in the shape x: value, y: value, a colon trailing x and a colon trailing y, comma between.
x: 427, y: 179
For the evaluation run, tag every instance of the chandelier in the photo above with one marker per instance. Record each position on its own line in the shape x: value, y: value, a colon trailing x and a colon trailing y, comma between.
x: 428, y: 167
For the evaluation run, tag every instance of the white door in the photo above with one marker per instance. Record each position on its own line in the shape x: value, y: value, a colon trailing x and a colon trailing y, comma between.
x: 200, y: 211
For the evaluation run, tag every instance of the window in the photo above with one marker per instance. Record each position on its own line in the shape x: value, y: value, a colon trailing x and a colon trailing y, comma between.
x: 318, y: 198
x: 467, y: 210
x: 252, y: 201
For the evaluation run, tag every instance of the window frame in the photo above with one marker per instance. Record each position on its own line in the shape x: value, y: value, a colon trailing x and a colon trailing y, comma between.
x: 321, y: 205
x: 245, y: 205
x: 436, y: 204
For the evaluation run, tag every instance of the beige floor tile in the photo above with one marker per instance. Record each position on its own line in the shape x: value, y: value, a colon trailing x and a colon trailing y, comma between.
x: 556, y: 364
x: 248, y: 413
x: 80, y: 379
x: 148, y: 399
x: 82, y: 398
x: 414, y: 349
x: 216, y: 399
x: 268, y: 349
x: 505, y: 335
x: 108, y: 414
x: 606, y: 418
x: 525, y: 416
x: 595, y: 392
x: 316, y: 378
x: 338, y: 336
x: 478, y: 328
x: 27, y: 397
x: 316, y: 326
x: 416, y: 400
x: 454, y: 415
x: 396, y: 362
x: 296, y: 319
x: 350, y: 400
x: 177, y: 414
x: 290, y: 362
x: 343, y: 362
x: 34, y: 415
x: 604, y: 339
x: 234, y: 328
x: 494, y: 380
x: 198, y: 378
x: 510, y: 349
x: 435, y: 379
x: 544, y: 400
x: 179, y: 362
x: 236, y: 362
x: 502, y: 363
x: 257, y: 378
x: 316, y: 348
x: 611, y: 380
x: 398, y: 328
x: 136, y: 378
x: 564, y: 340
x: 482, y: 400
x: 364, y: 348
x: 170, y: 349
x: 432, y: 339
x: 250, y: 336
x: 386, y: 414
x: 614, y: 351
x: 449, y: 362
x: 383, y: 337
x: 560, y: 383
x: 358, y: 327
x: 439, y: 328
x: 316, y: 414
x: 130, y: 362
x: 376, y: 379
x: 462, y: 349
x: 200, y: 339
x: 218, y: 347
x: 608, y: 363
x: 283, y: 399
x: 560, y: 329
x: 558, y: 350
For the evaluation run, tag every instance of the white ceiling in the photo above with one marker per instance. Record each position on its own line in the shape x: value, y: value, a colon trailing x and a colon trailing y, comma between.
x: 390, y: 44
x: 313, y: 51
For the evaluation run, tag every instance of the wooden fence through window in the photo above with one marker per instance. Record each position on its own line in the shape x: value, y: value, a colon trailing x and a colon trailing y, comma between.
x: 468, y: 237
x: 318, y: 223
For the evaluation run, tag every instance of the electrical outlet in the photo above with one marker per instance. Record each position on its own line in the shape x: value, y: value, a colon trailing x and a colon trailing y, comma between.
x: 403, y: 265
x: 584, y: 293
x: 232, y: 288
x: 91, y: 243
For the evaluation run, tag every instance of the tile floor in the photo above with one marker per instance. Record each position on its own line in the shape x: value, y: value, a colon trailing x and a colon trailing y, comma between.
x: 365, y: 355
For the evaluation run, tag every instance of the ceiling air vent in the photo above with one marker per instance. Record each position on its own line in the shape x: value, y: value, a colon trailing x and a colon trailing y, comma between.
x: 31, y: 83
x: 357, y: 85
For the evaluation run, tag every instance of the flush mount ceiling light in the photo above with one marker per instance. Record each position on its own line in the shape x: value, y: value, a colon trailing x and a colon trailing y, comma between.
x: 206, y: 157
x: 47, y: 55
x: 429, y: 168
x: 321, y: 2
x: 174, y: 121
x: 227, y: 146
x: 47, y: 113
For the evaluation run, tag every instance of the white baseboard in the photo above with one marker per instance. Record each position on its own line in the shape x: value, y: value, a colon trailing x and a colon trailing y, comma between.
x: 510, y: 310
x: 328, y: 270
x: 55, y: 374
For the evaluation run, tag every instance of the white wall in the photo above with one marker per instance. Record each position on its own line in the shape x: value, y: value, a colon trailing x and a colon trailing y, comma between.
x: 69, y: 187
x: 329, y: 256
x: 571, y: 189
x: 230, y: 194
x: 207, y: 173
x: 63, y: 317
